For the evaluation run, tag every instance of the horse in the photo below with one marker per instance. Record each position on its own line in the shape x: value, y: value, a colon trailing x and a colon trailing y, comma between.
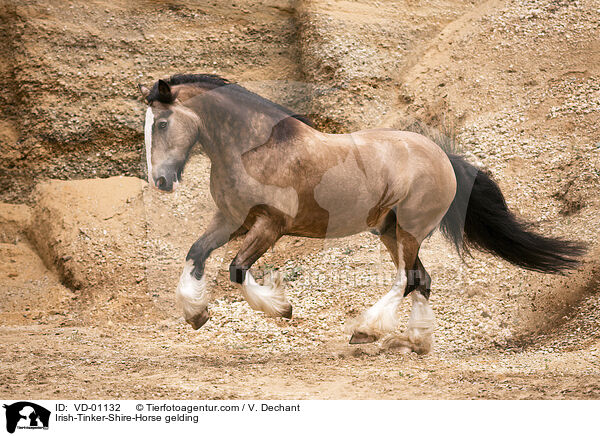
x: 273, y: 174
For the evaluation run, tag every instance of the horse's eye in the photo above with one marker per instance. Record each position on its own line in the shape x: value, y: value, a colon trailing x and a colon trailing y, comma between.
x: 162, y: 124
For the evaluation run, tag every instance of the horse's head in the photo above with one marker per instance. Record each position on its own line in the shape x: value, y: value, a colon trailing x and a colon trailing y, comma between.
x: 171, y: 130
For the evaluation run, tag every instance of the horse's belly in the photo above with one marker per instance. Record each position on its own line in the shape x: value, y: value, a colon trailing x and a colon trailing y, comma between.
x: 354, y: 199
x: 342, y: 225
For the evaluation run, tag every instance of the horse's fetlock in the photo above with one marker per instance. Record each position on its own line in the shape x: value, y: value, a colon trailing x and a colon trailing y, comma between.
x: 237, y: 274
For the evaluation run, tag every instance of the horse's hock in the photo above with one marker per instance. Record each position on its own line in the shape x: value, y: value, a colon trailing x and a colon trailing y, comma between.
x: 92, y: 233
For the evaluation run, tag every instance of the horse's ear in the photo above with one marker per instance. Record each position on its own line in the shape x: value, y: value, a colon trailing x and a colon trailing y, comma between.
x: 164, y: 91
x: 144, y: 90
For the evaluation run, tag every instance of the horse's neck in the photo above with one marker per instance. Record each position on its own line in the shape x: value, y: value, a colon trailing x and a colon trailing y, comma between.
x: 229, y: 129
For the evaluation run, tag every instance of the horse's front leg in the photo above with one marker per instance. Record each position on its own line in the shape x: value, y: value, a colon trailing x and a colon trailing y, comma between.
x: 191, y: 292
x: 269, y: 298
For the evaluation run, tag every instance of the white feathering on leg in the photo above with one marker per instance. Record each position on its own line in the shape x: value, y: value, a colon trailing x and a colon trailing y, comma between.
x: 269, y: 298
x: 421, y: 322
x: 382, y: 317
x: 191, y: 294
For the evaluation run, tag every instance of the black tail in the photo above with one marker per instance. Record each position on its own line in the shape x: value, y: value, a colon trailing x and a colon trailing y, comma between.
x: 480, y: 209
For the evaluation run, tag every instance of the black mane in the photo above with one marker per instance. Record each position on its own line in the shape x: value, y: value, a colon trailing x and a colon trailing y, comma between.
x: 213, y: 81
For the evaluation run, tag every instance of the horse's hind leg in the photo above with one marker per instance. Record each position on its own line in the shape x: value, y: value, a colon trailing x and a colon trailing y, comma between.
x: 382, y: 317
x: 419, y: 332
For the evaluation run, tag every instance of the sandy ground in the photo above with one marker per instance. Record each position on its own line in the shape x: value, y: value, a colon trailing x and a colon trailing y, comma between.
x: 89, y: 267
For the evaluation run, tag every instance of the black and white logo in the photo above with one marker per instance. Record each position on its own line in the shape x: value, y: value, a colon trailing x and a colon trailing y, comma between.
x: 26, y: 415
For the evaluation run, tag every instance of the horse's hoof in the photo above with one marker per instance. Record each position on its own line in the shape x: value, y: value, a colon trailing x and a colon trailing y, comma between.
x: 362, y: 338
x: 405, y: 345
x: 399, y: 343
x: 287, y: 313
x: 199, y: 320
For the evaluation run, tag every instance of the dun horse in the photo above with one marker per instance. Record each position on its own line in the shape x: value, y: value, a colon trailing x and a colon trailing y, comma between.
x: 272, y: 174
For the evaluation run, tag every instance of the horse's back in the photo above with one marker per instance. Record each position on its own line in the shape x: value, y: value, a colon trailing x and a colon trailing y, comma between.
x: 398, y: 147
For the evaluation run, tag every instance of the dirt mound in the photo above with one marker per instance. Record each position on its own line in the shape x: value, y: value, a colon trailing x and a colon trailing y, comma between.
x: 92, y: 233
x: 15, y: 220
x: 31, y: 293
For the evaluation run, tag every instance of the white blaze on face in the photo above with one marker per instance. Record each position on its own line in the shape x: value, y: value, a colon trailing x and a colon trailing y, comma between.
x: 148, y: 141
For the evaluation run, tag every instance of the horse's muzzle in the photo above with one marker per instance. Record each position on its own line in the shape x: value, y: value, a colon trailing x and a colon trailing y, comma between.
x: 162, y: 184
x: 166, y: 179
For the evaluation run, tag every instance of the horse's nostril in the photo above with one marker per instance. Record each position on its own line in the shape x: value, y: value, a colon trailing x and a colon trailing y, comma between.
x: 161, y: 182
